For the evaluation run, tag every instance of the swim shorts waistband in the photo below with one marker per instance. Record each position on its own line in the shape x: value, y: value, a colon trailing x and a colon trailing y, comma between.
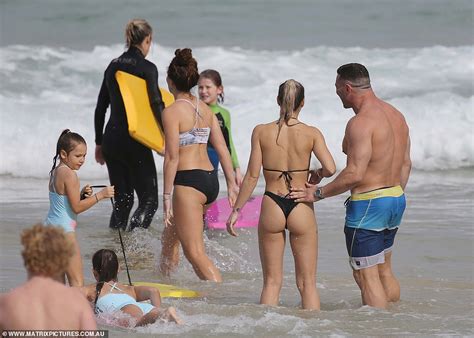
x: 396, y: 191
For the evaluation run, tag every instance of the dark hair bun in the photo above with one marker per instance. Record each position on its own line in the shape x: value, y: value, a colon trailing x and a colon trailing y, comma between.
x: 183, y: 56
x: 183, y: 70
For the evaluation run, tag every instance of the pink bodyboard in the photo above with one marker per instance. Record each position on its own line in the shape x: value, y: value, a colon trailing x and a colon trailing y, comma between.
x: 219, y: 211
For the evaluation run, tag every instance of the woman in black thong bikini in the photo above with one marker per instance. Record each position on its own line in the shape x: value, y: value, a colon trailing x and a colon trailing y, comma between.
x: 284, y: 149
x: 188, y: 173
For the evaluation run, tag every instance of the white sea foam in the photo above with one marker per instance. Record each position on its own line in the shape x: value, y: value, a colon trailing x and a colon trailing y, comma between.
x: 45, y: 89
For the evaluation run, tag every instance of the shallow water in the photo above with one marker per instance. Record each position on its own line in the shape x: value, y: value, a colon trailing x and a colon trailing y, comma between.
x: 433, y: 259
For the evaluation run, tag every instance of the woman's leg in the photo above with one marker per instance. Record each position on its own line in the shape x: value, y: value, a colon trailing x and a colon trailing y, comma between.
x: 188, y: 210
x: 169, y: 250
x: 271, y: 241
x: 304, y: 244
x: 74, y: 271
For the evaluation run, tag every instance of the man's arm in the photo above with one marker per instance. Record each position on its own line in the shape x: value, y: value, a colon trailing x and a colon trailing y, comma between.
x: 359, y: 151
x: 406, y: 168
x: 358, y: 146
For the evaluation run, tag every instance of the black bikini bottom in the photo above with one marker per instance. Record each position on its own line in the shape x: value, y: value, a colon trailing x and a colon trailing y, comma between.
x: 286, y: 204
x: 201, y: 180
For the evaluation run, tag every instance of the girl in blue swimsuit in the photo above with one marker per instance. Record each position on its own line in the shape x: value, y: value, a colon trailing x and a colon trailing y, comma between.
x: 109, y: 296
x: 65, y: 197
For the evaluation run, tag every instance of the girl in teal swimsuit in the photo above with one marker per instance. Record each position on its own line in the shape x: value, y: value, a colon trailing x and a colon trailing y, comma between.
x: 211, y: 92
x: 109, y: 296
x: 66, y: 199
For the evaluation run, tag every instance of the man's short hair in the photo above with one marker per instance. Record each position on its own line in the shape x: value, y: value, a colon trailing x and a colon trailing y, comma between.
x: 46, y: 250
x: 354, y: 73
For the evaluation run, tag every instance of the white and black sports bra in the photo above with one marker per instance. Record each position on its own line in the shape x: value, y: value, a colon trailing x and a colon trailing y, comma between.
x: 195, y: 135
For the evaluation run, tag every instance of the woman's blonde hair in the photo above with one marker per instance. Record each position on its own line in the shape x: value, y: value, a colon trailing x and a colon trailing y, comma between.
x: 290, y: 96
x: 136, y: 31
x: 46, y: 251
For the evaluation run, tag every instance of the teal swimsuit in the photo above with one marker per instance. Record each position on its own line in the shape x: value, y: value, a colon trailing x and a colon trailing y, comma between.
x: 113, y: 302
x: 60, y: 212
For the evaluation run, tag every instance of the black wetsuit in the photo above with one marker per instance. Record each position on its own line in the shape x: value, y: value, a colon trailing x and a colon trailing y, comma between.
x: 130, y: 164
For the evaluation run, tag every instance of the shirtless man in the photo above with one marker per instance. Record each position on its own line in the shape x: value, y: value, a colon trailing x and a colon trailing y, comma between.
x: 377, y: 145
x: 43, y: 302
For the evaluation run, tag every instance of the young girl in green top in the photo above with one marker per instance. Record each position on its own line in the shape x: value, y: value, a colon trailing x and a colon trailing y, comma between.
x: 211, y: 91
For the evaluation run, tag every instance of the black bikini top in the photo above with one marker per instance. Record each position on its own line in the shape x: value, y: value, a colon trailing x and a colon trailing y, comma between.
x: 286, y: 174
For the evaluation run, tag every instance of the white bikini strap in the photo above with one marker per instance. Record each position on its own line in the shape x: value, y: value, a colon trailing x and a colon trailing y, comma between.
x: 188, y: 101
x: 196, y: 108
x: 114, y: 286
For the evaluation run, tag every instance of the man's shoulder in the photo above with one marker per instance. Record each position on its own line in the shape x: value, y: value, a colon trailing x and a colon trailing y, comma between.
x: 360, y: 120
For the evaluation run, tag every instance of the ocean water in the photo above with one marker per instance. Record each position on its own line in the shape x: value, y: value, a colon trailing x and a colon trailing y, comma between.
x: 420, y: 57
x: 433, y: 260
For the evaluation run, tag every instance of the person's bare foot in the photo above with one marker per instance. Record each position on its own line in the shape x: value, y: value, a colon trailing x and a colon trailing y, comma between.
x: 170, y: 315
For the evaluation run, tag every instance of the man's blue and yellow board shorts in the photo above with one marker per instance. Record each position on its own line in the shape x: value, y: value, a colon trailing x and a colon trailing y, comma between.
x: 372, y: 220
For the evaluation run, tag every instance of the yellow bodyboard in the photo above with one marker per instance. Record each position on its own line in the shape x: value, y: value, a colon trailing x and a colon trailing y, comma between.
x: 142, y: 124
x: 170, y: 291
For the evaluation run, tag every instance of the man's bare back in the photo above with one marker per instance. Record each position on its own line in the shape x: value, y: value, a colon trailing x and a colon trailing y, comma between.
x: 378, y: 133
x: 45, y: 304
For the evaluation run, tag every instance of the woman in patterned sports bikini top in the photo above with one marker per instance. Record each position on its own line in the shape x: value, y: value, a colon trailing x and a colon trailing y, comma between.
x: 190, y: 180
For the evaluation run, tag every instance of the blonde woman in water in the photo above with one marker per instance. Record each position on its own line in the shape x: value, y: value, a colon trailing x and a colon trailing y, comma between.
x: 284, y: 148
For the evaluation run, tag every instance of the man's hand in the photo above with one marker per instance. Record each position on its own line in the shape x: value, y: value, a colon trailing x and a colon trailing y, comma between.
x: 304, y: 194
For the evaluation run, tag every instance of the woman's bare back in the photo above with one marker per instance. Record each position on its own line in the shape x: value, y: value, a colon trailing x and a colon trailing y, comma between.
x: 286, y: 154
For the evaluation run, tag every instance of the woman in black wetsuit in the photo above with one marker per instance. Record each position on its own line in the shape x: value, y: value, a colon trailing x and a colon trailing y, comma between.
x: 130, y: 164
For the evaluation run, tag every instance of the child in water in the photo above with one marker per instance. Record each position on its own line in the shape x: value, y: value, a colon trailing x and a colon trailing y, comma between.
x: 211, y: 91
x: 67, y: 200
x: 110, y: 296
